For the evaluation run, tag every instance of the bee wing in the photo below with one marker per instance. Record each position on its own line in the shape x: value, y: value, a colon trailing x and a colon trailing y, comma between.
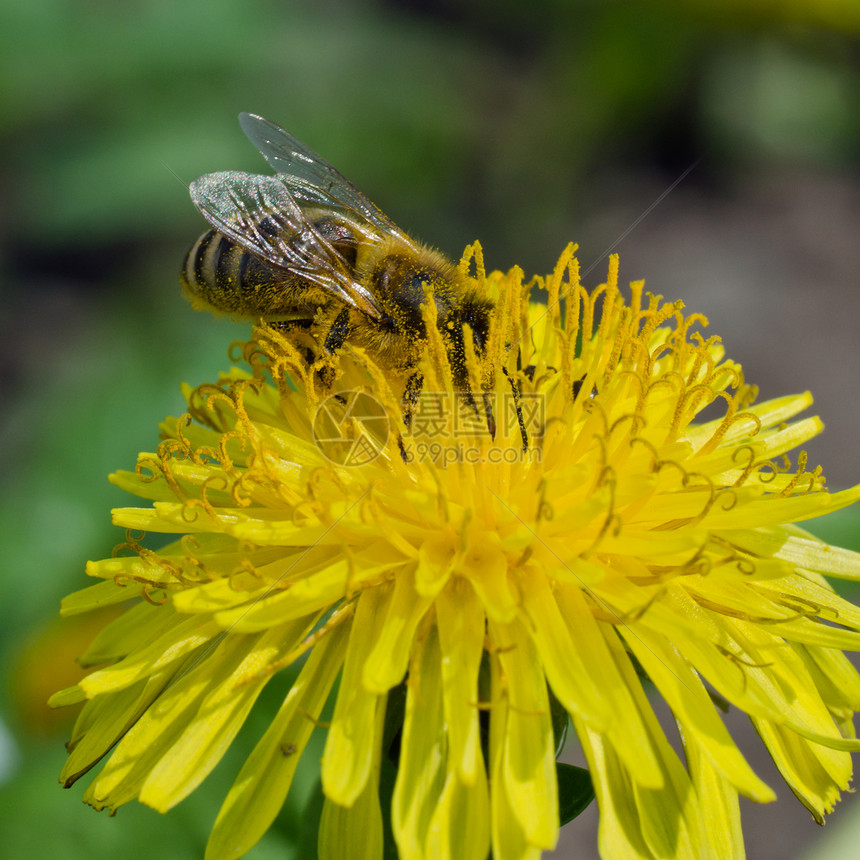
x: 310, y: 177
x: 262, y: 215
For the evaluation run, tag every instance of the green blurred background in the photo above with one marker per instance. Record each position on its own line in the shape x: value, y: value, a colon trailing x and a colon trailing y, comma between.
x: 524, y: 125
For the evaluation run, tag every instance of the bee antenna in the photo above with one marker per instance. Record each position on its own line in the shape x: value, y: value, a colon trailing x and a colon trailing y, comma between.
x: 179, y: 179
x: 644, y: 215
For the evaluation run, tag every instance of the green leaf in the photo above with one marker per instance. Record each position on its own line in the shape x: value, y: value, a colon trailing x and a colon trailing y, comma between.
x: 308, y: 833
x: 575, y: 791
x: 395, y: 709
x: 387, y: 778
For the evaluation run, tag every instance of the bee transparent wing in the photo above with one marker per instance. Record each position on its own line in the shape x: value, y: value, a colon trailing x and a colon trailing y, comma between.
x: 252, y: 210
x: 262, y: 215
x: 310, y: 177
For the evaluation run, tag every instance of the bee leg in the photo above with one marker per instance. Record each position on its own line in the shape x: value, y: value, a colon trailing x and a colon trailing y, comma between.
x: 338, y: 333
x: 457, y: 358
x: 491, y: 419
x: 515, y: 388
x: 288, y: 327
x: 411, y: 392
x: 334, y: 340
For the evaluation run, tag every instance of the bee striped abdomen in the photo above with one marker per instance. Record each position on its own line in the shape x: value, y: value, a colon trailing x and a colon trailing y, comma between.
x: 220, y: 275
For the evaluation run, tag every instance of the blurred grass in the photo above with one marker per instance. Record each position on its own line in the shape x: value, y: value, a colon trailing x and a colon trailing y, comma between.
x: 499, y: 120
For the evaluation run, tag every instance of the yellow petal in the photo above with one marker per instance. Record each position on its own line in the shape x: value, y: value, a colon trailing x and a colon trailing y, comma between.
x: 805, y: 766
x: 814, y: 554
x: 507, y: 831
x: 485, y: 565
x: 131, y: 630
x: 221, y: 714
x: 460, y: 826
x: 629, y: 734
x: 181, y: 639
x: 262, y: 785
x: 683, y: 691
x: 834, y: 675
x: 421, y: 770
x: 97, y: 596
x: 386, y: 664
x: 718, y: 800
x: 460, y: 620
x: 158, y: 728
x: 355, y: 832
x: 636, y: 821
x: 104, y: 720
x: 565, y: 651
x: 528, y: 769
x: 349, y: 747
x: 620, y: 833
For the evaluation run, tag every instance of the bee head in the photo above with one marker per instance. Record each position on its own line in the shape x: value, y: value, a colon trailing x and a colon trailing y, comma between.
x: 401, y: 284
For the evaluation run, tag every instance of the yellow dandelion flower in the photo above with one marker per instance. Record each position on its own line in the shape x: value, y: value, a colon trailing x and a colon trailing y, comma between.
x: 573, y: 528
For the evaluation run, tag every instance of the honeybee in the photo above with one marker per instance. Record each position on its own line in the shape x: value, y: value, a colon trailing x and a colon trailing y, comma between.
x: 306, y: 251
